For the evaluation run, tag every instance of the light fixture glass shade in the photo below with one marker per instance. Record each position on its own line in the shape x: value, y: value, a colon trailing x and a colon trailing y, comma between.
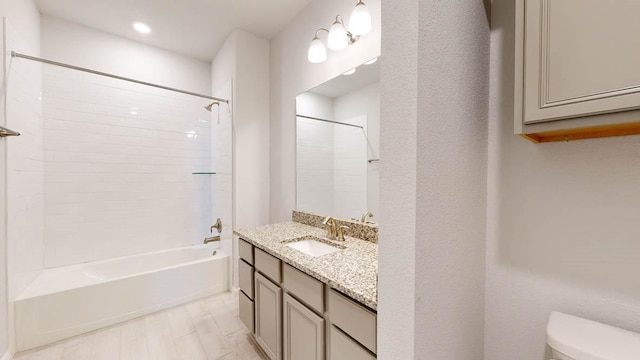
x: 338, y: 38
x: 360, y: 20
x: 317, y: 52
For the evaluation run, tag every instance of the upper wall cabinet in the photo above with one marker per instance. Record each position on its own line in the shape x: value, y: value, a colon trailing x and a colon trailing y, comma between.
x: 577, y: 72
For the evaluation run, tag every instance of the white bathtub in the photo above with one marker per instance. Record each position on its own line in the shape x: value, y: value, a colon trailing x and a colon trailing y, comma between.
x: 72, y: 300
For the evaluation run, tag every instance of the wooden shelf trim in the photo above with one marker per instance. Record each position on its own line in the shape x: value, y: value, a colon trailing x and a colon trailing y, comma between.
x: 585, y: 133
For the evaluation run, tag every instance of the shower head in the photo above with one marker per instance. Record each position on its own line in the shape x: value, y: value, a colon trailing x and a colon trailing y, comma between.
x: 208, y: 107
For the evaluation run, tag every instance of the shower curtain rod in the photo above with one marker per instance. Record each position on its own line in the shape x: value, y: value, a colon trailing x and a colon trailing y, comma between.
x: 329, y: 121
x: 51, y: 62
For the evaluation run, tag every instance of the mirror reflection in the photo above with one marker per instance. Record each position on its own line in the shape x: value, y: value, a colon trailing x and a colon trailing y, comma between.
x: 338, y: 128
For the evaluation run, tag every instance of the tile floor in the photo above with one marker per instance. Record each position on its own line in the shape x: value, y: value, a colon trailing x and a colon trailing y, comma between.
x: 205, y: 329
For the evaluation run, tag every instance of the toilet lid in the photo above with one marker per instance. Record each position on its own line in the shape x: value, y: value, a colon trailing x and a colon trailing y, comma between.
x: 583, y: 339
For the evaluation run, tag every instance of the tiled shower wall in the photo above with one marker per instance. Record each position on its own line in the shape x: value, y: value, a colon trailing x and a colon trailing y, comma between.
x: 25, y: 166
x: 315, y: 168
x: 119, y: 159
x: 350, y: 168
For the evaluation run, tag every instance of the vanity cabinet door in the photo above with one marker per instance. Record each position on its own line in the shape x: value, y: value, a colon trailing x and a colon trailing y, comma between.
x: 268, y: 316
x: 303, y: 332
x: 576, y: 58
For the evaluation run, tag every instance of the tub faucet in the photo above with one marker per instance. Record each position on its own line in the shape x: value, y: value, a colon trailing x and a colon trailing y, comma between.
x: 212, y: 239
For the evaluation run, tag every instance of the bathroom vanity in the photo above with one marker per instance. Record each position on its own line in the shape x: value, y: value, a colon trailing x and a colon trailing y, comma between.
x: 304, y: 307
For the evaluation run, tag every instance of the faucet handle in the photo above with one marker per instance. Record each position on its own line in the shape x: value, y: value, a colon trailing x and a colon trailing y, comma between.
x: 341, y: 231
x: 217, y: 226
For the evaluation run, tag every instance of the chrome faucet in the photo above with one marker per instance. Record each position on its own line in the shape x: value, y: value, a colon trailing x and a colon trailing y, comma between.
x: 334, y: 232
x: 365, y: 215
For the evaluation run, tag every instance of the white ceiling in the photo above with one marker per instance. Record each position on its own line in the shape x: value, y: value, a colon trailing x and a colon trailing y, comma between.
x: 196, y: 28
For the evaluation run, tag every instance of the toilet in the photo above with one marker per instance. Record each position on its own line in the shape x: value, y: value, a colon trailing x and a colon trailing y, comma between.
x: 574, y: 338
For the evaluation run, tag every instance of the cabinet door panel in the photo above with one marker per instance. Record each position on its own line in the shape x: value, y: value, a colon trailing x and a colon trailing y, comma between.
x: 268, y: 305
x: 303, y: 332
x: 580, y: 58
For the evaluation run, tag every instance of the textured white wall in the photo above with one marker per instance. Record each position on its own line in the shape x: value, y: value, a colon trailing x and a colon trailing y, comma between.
x: 24, y: 19
x: 451, y: 173
x: 251, y: 121
x: 433, y: 180
x: 244, y: 60
x: 398, y: 182
x: 562, y: 223
x: 292, y: 74
x: 243, y: 63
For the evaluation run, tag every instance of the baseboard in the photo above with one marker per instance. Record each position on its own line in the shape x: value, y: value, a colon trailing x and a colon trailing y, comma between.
x: 7, y: 356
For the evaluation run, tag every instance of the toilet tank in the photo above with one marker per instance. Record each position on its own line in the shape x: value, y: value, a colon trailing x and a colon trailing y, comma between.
x: 574, y: 338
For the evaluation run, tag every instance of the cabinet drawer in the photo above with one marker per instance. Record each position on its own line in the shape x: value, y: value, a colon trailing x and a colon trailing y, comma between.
x: 268, y: 265
x: 246, y: 251
x: 354, y: 319
x: 344, y: 348
x: 245, y: 311
x: 245, y: 278
x: 303, y: 286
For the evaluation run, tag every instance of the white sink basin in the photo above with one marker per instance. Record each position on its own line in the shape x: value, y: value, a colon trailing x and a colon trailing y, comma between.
x: 312, y: 247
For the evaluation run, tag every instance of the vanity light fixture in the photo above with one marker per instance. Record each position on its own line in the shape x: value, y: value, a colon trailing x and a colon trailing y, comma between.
x: 339, y: 37
x: 317, y: 51
x: 360, y: 20
x: 349, y: 72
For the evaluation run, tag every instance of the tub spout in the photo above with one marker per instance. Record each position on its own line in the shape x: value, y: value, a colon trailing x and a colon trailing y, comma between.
x: 212, y: 239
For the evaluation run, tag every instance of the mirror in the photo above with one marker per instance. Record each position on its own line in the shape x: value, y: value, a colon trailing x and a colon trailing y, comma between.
x: 338, y: 132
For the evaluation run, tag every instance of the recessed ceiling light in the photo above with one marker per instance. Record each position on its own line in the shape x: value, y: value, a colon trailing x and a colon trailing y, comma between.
x: 142, y: 28
x: 372, y: 61
x: 349, y: 72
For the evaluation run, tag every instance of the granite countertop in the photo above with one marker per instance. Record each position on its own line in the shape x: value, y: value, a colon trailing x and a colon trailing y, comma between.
x: 352, y: 270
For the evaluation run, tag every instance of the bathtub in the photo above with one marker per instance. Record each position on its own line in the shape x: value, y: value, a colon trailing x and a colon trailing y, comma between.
x: 71, y: 300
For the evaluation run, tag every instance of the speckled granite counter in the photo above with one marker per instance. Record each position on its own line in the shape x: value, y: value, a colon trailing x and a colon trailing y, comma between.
x: 352, y: 270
